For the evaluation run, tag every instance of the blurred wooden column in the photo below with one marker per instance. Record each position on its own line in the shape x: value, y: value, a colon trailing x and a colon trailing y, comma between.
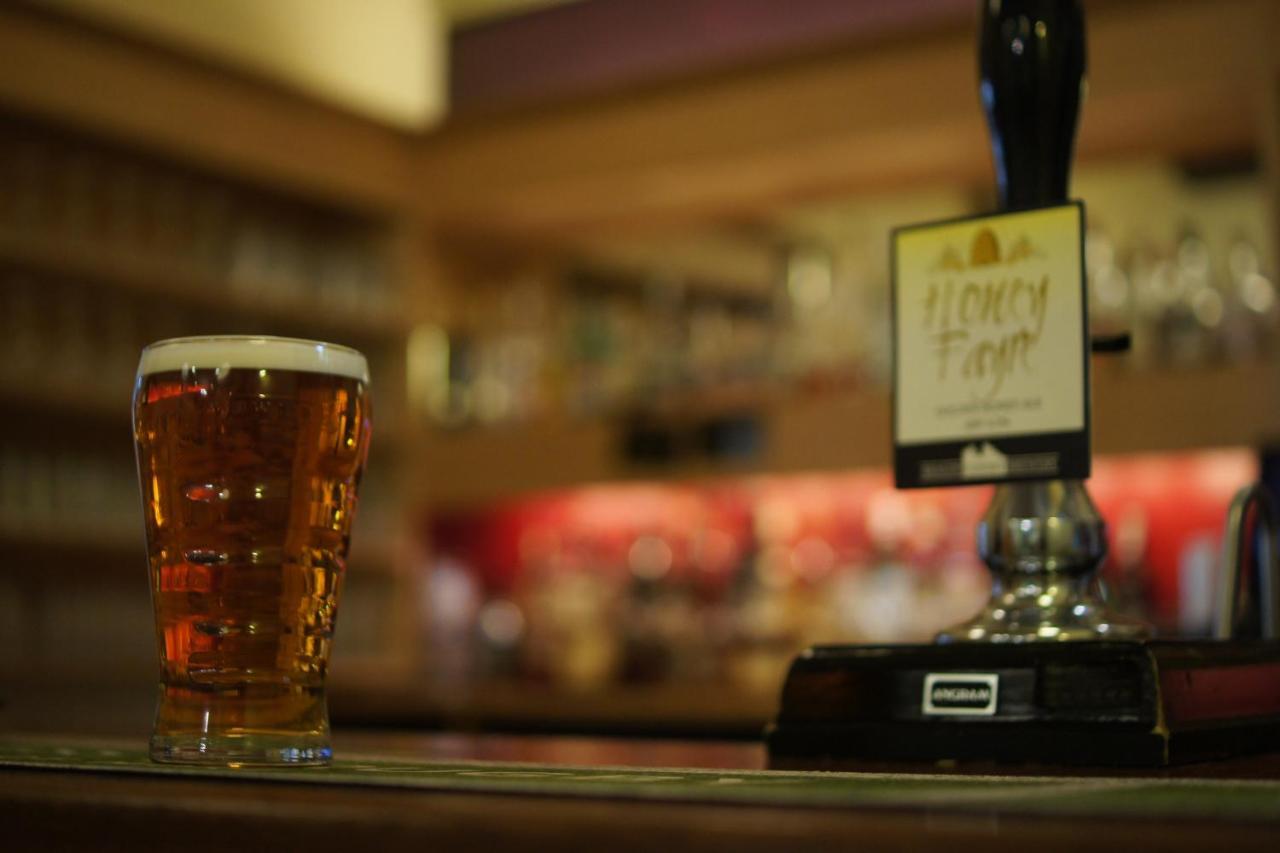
x: 1269, y: 118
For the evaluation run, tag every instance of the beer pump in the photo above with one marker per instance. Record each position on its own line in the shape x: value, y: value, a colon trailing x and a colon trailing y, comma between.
x: 1045, y: 673
x: 1042, y: 539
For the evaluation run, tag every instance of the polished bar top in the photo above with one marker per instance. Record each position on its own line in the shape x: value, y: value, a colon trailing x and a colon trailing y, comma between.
x: 54, y: 809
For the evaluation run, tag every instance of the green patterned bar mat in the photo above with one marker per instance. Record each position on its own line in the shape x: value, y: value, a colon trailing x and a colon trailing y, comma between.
x: 1103, y: 797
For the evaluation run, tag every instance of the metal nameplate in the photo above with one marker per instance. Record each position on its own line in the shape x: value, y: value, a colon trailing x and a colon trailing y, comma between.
x: 971, y: 694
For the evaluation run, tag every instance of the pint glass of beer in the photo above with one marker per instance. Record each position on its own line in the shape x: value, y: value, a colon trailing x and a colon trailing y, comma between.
x: 250, y: 452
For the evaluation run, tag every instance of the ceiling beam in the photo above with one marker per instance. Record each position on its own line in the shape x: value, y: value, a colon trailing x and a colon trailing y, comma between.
x: 1168, y: 78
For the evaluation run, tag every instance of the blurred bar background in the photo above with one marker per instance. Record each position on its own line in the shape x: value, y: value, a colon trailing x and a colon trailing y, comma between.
x: 620, y: 269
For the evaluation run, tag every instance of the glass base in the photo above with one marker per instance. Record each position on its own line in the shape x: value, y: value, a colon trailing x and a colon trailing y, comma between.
x: 241, y: 750
x: 1043, y: 541
x: 1081, y: 622
x: 269, y: 724
x: 1036, y: 609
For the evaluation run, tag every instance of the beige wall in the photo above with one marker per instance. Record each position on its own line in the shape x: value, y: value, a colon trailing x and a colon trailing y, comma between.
x: 382, y: 58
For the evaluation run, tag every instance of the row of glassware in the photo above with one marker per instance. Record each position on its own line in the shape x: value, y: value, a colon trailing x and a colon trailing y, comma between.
x: 74, y: 342
x: 70, y: 495
x: 553, y: 347
x: 77, y: 343
x: 200, y: 231
x: 1188, y: 304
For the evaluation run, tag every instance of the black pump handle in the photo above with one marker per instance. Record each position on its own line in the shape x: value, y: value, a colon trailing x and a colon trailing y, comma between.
x: 1032, y: 65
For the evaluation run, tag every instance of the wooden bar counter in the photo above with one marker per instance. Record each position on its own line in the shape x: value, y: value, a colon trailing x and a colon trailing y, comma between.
x: 44, y: 809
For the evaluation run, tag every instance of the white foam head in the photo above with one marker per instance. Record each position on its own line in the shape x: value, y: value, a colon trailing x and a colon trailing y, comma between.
x: 255, y: 352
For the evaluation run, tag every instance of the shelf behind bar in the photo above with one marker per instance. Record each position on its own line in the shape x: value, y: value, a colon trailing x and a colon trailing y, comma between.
x: 135, y: 273
x: 1134, y: 411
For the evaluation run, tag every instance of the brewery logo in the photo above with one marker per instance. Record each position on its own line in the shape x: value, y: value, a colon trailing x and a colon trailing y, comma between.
x: 985, y: 461
x: 960, y: 694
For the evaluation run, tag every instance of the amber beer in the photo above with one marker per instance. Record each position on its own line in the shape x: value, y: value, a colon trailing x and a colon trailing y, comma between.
x: 250, y: 453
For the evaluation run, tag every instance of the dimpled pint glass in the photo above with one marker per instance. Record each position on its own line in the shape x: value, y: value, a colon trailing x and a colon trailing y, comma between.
x: 250, y: 452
